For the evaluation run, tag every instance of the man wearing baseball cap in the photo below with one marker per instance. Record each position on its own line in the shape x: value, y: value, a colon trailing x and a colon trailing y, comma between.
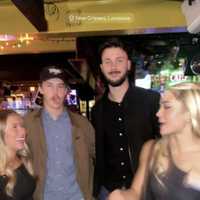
x: 62, y: 143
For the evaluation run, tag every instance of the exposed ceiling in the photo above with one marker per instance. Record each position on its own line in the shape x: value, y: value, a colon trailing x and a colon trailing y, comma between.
x: 72, y: 16
x: 71, y: 19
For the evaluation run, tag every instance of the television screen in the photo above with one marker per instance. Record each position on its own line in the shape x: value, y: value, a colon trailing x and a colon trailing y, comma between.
x: 72, y: 97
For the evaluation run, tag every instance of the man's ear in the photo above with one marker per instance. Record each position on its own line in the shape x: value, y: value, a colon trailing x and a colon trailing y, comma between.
x: 129, y: 65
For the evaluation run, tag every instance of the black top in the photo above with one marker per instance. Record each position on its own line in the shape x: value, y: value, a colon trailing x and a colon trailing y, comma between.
x: 118, y: 171
x: 24, y: 188
x: 140, y: 124
x: 171, y: 186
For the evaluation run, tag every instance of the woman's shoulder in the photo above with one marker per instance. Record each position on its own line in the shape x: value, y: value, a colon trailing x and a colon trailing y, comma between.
x: 149, y: 144
x: 150, y: 148
x: 147, y: 150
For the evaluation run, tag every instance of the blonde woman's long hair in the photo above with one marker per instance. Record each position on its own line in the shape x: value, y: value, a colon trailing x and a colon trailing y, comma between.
x: 23, y: 155
x: 189, y: 95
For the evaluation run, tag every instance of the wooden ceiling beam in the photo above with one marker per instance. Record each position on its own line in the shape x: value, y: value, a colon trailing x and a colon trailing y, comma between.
x: 33, y: 10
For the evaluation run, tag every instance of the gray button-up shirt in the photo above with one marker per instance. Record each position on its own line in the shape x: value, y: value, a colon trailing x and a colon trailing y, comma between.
x: 61, y: 183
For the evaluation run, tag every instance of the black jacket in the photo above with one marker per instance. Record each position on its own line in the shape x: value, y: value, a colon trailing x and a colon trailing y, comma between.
x: 141, y: 125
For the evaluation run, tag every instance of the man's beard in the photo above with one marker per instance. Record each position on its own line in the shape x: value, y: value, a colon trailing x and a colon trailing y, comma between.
x: 118, y: 82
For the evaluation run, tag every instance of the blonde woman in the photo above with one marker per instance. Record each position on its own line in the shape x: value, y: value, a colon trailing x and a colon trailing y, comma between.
x: 17, y: 180
x: 170, y: 167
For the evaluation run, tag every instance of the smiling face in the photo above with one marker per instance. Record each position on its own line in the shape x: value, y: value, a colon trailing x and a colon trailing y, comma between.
x: 15, y: 133
x: 115, y: 65
x: 172, y: 115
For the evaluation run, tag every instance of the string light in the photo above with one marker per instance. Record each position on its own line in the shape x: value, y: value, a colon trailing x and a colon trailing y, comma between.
x: 11, y: 42
x: 25, y: 38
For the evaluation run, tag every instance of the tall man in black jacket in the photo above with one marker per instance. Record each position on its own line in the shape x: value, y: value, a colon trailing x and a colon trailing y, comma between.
x: 124, y: 118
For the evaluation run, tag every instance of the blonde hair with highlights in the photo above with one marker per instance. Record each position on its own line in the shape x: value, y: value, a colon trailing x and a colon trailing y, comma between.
x: 23, y: 155
x: 188, y: 94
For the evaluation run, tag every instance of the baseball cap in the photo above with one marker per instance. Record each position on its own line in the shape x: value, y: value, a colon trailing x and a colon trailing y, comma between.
x: 50, y: 72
